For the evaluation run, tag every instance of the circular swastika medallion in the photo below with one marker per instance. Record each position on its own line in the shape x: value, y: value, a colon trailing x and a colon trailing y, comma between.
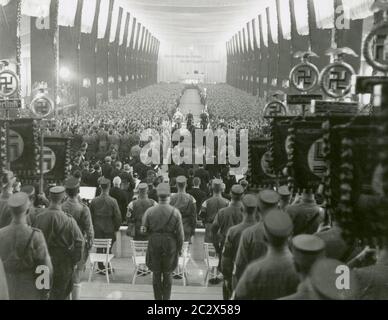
x: 49, y: 160
x: 336, y: 79
x: 304, y: 77
x: 15, y: 145
x: 9, y: 83
x: 265, y: 164
x: 316, y: 159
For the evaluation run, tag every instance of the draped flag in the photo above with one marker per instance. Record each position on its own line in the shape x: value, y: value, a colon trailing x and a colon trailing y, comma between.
x: 88, y: 15
x: 88, y: 61
x: 284, y: 40
x: 256, y: 49
x: 324, y: 11
x: 349, y: 32
x: 8, y: 18
x: 36, y: 8
x: 259, y: 165
x: 123, y: 56
x: 251, y: 55
x: 241, y: 63
x: 130, y: 60
x: 264, y: 58
x: 55, y: 157
x: 273, y: 48
x: 114, y: 57
x: 103, y: 18
x: 320, y: 38
x: 66, y: 12
x: 136, y: 56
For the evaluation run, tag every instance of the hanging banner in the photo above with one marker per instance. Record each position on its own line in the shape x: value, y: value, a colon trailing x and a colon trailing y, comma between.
x: 260, y: 164
x: 23, y: 143
x: 299, y: 38
x: 264, y: 58
x: 8, y: 19
x: 123, y: 58
x: 131, y: 84
x: 56, y: 158
x: 273, y: 48
x: 88, y: 15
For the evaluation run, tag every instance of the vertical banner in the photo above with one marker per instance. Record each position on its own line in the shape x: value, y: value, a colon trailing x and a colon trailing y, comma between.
x: 299, y: 35
x: 56, y: 157
x: 130, y: 58
x: 251, y: 59
x: 42, y: 50
x: 237, y: 62
x: 113, y: 79
x: 284, y: 40
x: 241, y: 63
x: 140, y: 62
x: 256, y: 51
x: 123, y: 58
x: 89, y: 58
x: 348, y: 32
x: 106, y: 9
x: 246, y: 61
x: 135, y: 57
x: 8, y: 34
x: 259, y: 165
x: 273, y: 48
x: 320, y: 38
x: 264, y: 58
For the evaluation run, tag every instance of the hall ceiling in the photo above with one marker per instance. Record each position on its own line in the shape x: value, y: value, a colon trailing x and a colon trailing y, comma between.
x: 195, y: 22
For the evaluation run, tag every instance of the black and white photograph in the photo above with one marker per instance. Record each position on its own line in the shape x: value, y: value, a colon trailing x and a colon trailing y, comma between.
x: 199, y: 153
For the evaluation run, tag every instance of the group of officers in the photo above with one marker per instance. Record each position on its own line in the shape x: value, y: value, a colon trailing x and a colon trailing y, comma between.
x: 270, y: 244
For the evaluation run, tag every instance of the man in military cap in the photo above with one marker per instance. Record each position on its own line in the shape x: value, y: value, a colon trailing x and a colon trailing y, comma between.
x: 186, y: 205
x: 106, y: 215
x: 285, y: 197
x: 273, y: 276
x: 7, y: 182
x: 164, y: 227
x: 19, y: 237
x: 32, y: 210
x: 306, y: 215
x: 324, y: 277
x: 227, y: 218
x: 232, y: 242
x: 211, y: 207
x: 136, y: 210
x: 65, y: 241
x: 252, y: 244
x: 244, y: 183
x: 81, y: 213
x: 307, y: 249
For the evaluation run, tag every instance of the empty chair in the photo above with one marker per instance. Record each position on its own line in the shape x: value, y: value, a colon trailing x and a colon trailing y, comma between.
x: 104, y: 258
x: 211, y: 260
x: 183, y: 260
x: 139, y: 252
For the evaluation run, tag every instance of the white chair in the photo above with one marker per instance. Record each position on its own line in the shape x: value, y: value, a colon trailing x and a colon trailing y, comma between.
x: 139, y: 252
x: 211, y: 261
x: 104, y: 258
x: 183, y: 260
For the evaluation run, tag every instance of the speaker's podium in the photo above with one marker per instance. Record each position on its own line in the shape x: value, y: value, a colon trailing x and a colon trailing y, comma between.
x: 193, y: 78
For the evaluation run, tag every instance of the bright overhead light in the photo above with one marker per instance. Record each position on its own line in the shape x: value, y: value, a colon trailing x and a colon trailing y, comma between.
x: 64, y: 73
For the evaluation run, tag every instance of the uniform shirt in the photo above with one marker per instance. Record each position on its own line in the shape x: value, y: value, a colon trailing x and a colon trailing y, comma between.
x: 211, y: 207
x: 186, y: 205
x: 224, y: 220
x: 136, y: 210
x: 5, y: 213
x: 122, y: 200
x: 157, y: 217
x: 231, y: 246
x: 306, y: 217
x: 60, y: 230
x: 272, y: 277
x: 82, y: 216
x: 252, y: 246
x: 106, y: 215
x: 199, y: 197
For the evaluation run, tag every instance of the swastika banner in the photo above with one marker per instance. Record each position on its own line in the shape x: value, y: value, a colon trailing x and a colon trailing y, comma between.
x: 279, y: 131
x: 22, y: 147
x: 260, y: 163
x: 54, y: 158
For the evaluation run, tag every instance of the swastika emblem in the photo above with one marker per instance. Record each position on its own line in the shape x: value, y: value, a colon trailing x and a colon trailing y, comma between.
x: 9, y: 83
x: 49, y: 160
x: 316, y: 159
x: 15, y: 146
x: 275, y: 109
x: 336, y: 79
x: 265, y: 164
x: 304, y: 77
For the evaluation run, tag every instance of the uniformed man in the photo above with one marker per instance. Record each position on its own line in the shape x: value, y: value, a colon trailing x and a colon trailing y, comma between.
x: 32, y: 210
x: 307, y: 249
x: 324, y: 277
x: 211, y: 207
x: 227, y: 218
x: 285, y: 197
x: 106, y: 216
x: 137, y: 209
x: 186, y: 205
x: 252, y: 244
x: 164, y: 227
x: 7, y: 182
x: 22, y: 250
x: 232, y: 242
x: 273, y: 276
x: 306, y: 215
x: 81, y: 213
x: 64, y: 239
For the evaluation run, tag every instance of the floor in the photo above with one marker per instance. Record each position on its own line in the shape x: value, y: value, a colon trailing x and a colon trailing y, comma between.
x: 191, y: 102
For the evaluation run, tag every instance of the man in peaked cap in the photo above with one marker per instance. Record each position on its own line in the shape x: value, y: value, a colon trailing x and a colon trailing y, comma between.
x: 232, y: 241
x: 136, y: 210
x: 81, y: 213
x: 19, y: 237
x: 307, y: 249
x: 332, y: 280
x: 186, y: 205
x: 163, y: 225
x: 274, y: 276
x: 252, y: 244
x: 211, y: 207
x: 61, y: 233
x: 285, y: 197
x: 106, y: 216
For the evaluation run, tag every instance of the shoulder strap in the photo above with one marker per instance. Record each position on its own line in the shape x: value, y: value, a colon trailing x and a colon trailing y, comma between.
x: 169, y: 220
x: 29, y: 242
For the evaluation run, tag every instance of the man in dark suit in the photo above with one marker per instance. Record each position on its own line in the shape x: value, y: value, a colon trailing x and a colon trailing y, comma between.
x: 199, y: 195
x: 203, y: 175
x: 94, y: 176
x: 117, y: 193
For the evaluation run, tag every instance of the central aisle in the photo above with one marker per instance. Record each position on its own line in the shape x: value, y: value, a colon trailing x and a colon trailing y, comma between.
x: 191, y: 102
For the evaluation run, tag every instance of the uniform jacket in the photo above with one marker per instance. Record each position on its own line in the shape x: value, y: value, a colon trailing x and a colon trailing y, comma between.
x: 306, y: 217
x: 186, y: 205
x: 106, y: 215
